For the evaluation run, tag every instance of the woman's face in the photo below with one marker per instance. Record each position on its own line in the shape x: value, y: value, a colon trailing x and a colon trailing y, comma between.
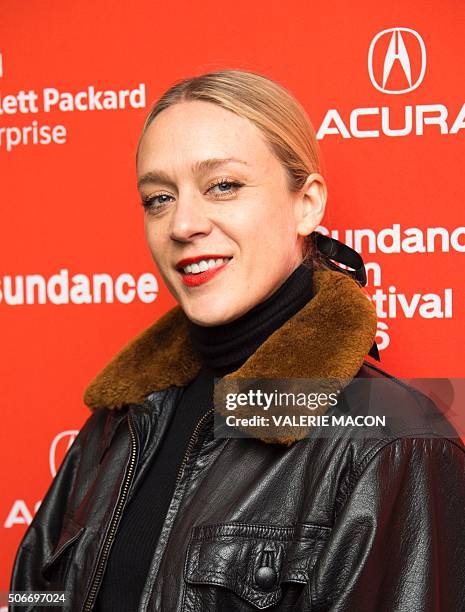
x: 214, y: 191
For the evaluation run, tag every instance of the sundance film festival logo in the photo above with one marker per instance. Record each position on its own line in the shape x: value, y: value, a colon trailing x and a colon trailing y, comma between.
x: 396, y: 65
x: 406, y: 54
x: 21, y: 511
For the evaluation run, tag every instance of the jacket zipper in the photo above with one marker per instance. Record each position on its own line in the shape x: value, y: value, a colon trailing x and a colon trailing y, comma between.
x: 189, y: 448
x: 190, y: 445
x: 97, y: 579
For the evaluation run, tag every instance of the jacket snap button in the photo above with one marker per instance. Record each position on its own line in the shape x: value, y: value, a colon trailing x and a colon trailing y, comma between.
x: 266, y: 577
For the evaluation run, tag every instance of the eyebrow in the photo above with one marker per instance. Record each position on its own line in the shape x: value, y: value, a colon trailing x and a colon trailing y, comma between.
x: 200, y: 167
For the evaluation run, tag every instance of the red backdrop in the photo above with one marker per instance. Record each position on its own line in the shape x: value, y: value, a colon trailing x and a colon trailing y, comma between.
x: 381, y: 83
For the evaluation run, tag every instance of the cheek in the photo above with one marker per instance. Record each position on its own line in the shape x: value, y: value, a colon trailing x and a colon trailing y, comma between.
x: 247, y: 222
x: 153, y: 230
x: 260, y: 237
x: 146, y: 231
x: 273, y: 212
x: 152, y: 239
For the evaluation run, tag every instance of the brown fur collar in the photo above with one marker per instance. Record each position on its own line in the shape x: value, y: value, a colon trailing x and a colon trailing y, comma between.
x: 328, y: 338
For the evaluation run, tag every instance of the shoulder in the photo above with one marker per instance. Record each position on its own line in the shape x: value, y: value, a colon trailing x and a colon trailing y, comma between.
x: 96, y: 434
x: 410, y: 407
x: 414, y: 432
x: 414, y: 468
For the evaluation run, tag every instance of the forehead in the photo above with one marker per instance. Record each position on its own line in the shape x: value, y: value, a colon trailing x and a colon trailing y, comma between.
x: 191, y: 131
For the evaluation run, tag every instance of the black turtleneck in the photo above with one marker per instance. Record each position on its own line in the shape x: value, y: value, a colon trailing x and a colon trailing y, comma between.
x: 222, y: 349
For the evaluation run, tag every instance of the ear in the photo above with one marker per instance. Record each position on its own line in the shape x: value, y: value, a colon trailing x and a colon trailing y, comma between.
x: 313, y: 196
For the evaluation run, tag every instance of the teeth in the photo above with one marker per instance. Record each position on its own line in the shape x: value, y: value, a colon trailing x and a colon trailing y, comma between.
x: 204, y: 264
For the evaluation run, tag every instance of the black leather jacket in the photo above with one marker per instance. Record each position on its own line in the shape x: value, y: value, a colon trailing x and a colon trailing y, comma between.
x: 316, y: 523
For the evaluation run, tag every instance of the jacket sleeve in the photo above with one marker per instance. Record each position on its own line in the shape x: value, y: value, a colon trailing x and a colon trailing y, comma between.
x: 42, y: 534
x: 398, y: 542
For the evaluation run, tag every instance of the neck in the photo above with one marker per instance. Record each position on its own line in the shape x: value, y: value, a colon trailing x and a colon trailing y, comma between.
x: 224, y: 348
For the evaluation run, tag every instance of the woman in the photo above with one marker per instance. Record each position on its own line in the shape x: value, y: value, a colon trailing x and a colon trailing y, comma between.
x: 149, y: 509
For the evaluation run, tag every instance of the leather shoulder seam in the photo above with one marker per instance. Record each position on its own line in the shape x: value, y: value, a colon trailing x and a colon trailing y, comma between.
x: 369, y: 457
x: 360, y: 468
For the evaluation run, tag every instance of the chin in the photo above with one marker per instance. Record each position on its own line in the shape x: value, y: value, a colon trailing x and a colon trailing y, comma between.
x: 209, y: 317
x: 206, y: 320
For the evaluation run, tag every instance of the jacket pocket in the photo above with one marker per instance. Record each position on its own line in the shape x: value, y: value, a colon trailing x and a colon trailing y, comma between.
x: 245, y: 567
x: 54, y: 567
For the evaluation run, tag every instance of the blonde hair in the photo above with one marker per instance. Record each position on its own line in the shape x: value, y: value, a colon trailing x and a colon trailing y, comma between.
x: 271, y: 108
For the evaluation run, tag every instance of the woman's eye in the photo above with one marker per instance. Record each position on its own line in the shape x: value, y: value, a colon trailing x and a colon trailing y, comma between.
x: 224, y: 187
x: 220, y: 189
x: 155, y: 202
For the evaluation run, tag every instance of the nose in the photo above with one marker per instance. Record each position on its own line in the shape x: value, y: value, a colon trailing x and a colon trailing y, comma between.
x: 189, y: 218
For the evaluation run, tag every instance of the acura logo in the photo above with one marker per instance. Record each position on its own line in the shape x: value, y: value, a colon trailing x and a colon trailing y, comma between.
x: 57, y: 453
x: 397, y: 57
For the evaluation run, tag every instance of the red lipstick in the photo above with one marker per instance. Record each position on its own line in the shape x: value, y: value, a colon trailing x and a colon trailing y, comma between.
x: 193, y: 280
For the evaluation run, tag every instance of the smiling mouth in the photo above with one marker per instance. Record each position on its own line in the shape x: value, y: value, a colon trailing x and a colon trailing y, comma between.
x: 193, y: 275
x: 202, y: 266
